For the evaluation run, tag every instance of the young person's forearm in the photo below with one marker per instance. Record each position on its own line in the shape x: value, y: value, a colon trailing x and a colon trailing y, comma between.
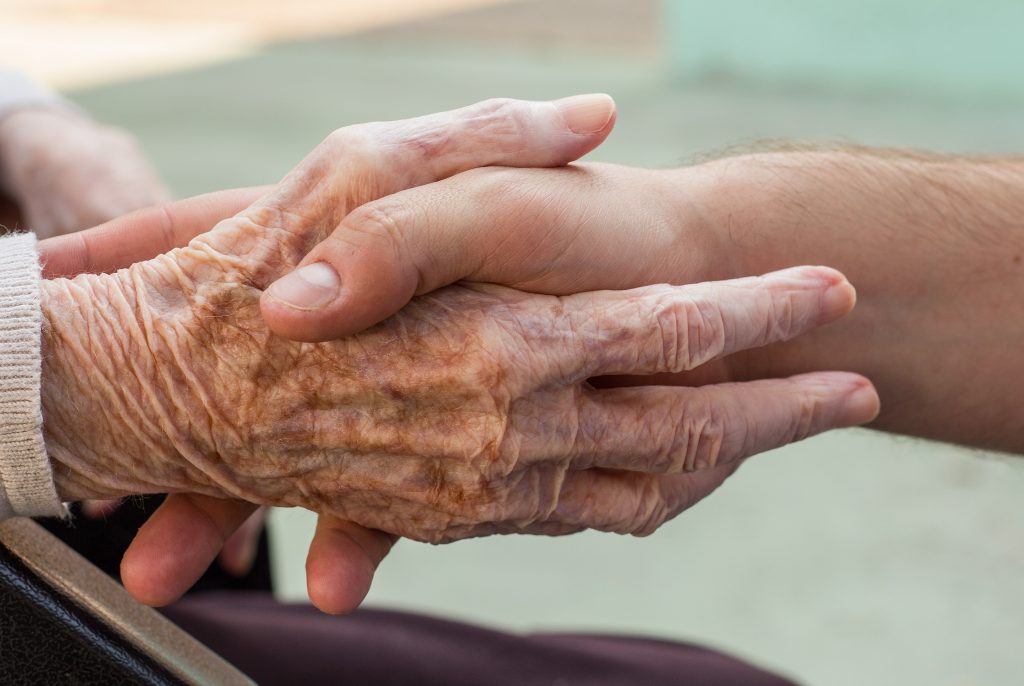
x: 935, y: 247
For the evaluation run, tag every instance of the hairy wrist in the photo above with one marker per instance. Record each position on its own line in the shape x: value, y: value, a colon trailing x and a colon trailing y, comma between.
x: 704, y: 247
x: 852, y: 207
x: 933, y: 247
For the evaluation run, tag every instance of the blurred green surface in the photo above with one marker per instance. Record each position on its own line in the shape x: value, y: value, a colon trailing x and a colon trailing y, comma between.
x: 850, y: 559
x: 944, y: 48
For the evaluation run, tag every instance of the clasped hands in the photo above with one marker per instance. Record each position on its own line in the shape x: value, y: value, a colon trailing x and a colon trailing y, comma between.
x: 432, y: 329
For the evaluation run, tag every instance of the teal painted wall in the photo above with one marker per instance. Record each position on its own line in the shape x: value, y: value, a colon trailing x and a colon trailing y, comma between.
x: 950, y: 48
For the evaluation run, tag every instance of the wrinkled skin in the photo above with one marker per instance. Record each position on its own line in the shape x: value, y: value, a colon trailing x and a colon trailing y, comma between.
x: 468, y: 413
x: 67, y: 173
x: 624, y: 476
x: 353, y: 165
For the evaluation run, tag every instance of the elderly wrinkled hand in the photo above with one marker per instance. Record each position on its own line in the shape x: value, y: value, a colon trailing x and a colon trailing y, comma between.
x: 352, y: 166
x: 467, y: 413
x: 645, y: 432
x: 67, y: 173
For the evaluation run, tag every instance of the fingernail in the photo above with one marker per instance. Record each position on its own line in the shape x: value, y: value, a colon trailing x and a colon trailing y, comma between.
x: 838, y: 300
x: 861, y: 406
x: 586, y: 113
x: 307, y: 288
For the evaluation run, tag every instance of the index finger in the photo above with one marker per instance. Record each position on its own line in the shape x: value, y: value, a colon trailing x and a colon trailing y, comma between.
x: 141, y: 235
x: 678, y: 328
x: 176, y: 545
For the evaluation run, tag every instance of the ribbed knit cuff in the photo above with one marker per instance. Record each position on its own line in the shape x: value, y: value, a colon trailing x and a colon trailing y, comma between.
x: 26, y: 479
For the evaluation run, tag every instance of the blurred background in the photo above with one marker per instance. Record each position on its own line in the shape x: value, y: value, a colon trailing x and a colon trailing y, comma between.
x: 849, y: 559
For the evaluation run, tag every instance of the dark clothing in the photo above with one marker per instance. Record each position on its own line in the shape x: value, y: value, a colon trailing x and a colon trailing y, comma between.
x: 103, y: 542
x: 277, y: 643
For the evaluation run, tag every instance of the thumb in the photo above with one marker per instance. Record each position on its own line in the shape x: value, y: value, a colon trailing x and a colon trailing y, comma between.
x: 308, y: 304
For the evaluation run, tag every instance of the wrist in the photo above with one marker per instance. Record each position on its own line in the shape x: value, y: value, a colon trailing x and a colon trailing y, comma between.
x: 706, y: 246
x: 105, y: 413
x: 932, y: 247
x: 744, y: 213
x: 761, y: 208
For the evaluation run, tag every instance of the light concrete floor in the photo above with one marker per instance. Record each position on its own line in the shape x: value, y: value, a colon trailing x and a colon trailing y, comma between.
x: 854, y: 558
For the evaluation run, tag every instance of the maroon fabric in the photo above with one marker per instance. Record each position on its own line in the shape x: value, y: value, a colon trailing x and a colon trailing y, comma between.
x: 275, y: 643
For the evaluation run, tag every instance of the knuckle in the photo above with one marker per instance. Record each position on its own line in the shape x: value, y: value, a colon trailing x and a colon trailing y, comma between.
x: 166, y: 227
x: 497, y: 122
x: 501, y: 120
x: 507, y: 493
x: 544, y: 485
x: 377, y: 222
x: 498, y: 115
x: 805, y: 417
x: 255, y: 243
x: 354, y: 145
x: 697, y: 440
x: 501, y: 451
x: 651, y: 511
x: 690, y: 332
x: 341, y: 139
x: 494, y: 106
x: 782, y: 320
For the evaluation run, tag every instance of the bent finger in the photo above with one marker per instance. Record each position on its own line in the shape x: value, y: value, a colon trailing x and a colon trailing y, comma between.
x: 342, y: 560
x: 631, y: 502
x: 177, y: 544
x: 669, y: 430
x: 239, y: 551
x: 676, y: 328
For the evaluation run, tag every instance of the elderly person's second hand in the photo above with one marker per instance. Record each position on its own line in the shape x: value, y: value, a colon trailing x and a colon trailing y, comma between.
x: 67, y: 172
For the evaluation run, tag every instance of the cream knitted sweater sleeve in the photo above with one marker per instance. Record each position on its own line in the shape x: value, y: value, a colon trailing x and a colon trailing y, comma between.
x: 26, y: 479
